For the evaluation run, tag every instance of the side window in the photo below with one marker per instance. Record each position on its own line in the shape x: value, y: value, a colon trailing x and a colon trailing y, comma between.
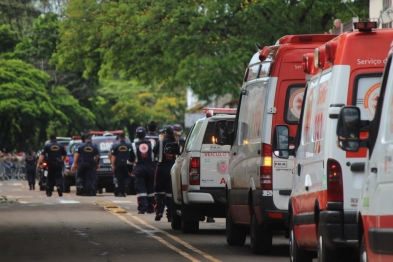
x: 209, y: 133
x: 192, y: 136
x: 293, y: 105
x: 308, y: 112
x: 252, y: 111
x: 253, y: 72
x: 367, y: 88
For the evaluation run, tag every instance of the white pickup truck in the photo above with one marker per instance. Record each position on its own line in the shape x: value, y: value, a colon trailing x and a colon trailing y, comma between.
x: 199, y: 174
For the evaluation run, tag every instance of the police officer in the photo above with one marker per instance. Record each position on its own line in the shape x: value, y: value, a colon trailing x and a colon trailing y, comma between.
x: 179, y: 130
x: 142, y: 156
x: 30, y: 162
x: 120, y: 154
x: 78, y: 180
x: 163, y: 184
x: 55, y: 154
x: 115, y: 184
x: 85, y: 161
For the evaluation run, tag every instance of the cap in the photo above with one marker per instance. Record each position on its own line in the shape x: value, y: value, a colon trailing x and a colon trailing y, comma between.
x: 88, y: 136
x: 53, y: 136
x: 177, y: 127
x: 161, y: 131
x: 122, y: 135
x: 140, y: 130
x: 168, y: 129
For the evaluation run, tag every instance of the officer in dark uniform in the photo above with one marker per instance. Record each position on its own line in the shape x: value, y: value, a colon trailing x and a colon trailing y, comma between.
x: 179, y: 130
x: 151, y: 131
x: 115, y: 184
x: 78, y: 180
x: 142, y: 156
x: 30, y: 162
x: 120, y: 154
x: 55, y: 155
x: 85, y: 161
x: 163, y: 184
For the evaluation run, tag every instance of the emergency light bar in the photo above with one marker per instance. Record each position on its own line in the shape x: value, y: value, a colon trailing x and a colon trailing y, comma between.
x: 114, y: 132
x: 213, y: 111
x: 76, y: 137
x: 365, y: 26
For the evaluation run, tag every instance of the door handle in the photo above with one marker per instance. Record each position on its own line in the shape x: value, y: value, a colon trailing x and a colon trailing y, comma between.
x: 234, y: 153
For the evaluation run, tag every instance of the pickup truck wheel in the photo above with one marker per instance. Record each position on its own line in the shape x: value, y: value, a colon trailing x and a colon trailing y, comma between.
x: 297, y: 254
x: 261, y: 240
x: 236, y: 235
x: 176, y: 220
x: 189, y: 226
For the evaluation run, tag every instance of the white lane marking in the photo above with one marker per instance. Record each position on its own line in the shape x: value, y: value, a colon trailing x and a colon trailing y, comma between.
x: 9, y: 196
x: 121, y: 201
x: 1, y: 184
x: 17, y: 184
x: 23, y: 202
x: 61, y: 201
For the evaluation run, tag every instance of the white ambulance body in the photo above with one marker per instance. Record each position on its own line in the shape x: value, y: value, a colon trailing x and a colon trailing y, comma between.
x: 375, y: 210
x: 199, y: 173
x: 327, y: 180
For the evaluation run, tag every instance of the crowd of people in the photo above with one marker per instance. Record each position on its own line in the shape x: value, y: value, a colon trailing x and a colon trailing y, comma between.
x: 12, y: 166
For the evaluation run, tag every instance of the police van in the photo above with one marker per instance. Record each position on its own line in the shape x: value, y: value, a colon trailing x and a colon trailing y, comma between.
x: 375, y: 208
x: 259, y: 183
x: 327, y: 180
x: 104, y: 141
x: 199, y: 173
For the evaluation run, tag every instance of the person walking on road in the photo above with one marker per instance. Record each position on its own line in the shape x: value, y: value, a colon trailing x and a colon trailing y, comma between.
x: 85, y: 161
x: 55, y: 154
x: 30, y: 163
x: 120, y: 155
x: 142, y: 156
x: 163, y: 184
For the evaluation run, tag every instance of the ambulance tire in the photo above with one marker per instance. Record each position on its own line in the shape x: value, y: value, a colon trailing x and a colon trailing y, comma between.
x: 176, y: 219
x: 363, y: 250
x: 261, y: 238
x: 189, y: 227
x: 236, y: 235
x: 324, y: 253
x: 297, y: 254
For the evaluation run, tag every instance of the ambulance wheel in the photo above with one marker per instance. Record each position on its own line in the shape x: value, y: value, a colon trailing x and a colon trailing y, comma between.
x: 297, y: 254
x: 189, y: 227
x: 261, y: 239
x: 176, y: 219
x: 363, y: 250
x: 324, y: 253
x: 236, y: 235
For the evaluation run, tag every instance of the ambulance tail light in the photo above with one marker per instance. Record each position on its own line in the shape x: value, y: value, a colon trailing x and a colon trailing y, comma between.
x: 330, y: 51
x: 307, y: 63
x: 365, y: 26
x: 264, y: 54
x: 334, y: 181
x: 67, y: 160
x: 195, y: 171
x: 266, y: 171
x: 319, y: 57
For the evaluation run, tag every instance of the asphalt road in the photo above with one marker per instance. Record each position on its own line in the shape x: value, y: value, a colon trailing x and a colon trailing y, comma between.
x: 74, y: 228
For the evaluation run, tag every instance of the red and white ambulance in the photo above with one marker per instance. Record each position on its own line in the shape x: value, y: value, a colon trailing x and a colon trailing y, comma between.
x: 327, y: 181
x: 259, y: 184
x: 375, y: 209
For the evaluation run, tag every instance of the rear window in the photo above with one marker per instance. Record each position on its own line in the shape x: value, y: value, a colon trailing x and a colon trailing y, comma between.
x: 366, y: 96
x: 293, y: 105
x: 193, y: 136
x: 209, y: 133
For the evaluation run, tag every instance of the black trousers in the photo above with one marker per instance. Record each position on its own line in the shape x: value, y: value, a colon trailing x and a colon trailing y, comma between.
x: 30, y: 173
x: 163, y: 189
x: 86, y: 172
x: 121, y: 174
x: 144, y: 187
x: 55, y: 176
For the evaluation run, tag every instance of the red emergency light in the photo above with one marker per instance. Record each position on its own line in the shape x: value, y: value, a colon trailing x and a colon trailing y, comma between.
x: 214, y: 111
x: 307, y: 63
x: 365, y: 26
x: 76, y: 137
x: 319, y: 57
x: 330, y: 51
x: 264, y: 54
x: 114, y: 132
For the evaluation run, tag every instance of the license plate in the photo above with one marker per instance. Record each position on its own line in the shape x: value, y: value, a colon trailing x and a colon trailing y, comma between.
x: 105, y: 169
x: 45, y: 173
x: 106, y: 161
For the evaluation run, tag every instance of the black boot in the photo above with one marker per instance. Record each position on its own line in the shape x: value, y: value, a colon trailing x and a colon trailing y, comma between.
x: 48, y: 192
x: 31, y: 187
x: 60, y: 191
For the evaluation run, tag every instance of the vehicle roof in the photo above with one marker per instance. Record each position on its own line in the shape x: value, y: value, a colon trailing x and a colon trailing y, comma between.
x: 216, y: 117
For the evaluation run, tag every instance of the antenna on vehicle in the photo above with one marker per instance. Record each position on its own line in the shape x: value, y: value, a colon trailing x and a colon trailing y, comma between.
x: 258, y: 45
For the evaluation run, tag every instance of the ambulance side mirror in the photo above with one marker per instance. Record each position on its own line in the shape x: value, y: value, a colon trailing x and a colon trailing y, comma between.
x: 348, y: 128
x: 281, y: 141
x: 221, y: 134
x: 172, y: 148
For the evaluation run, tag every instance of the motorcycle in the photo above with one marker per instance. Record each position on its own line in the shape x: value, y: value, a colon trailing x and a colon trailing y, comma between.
x: 43, y: 175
